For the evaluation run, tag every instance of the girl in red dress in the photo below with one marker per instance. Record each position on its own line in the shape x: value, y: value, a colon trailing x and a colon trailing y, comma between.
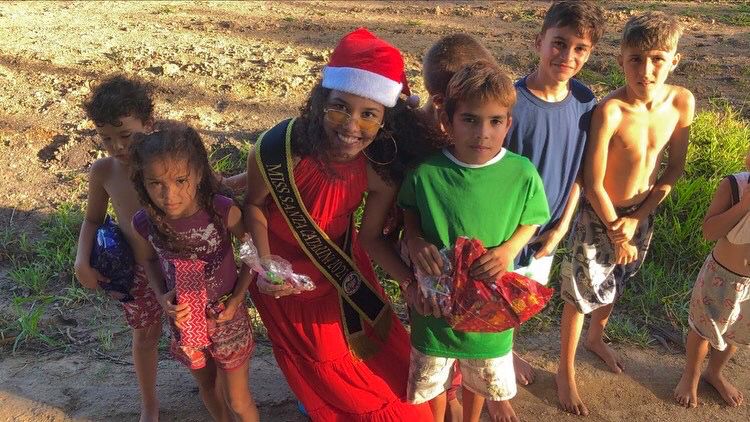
x: 355, y: 136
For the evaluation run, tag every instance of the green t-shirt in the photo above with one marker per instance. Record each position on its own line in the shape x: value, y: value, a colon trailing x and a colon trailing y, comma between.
x: 487, y: 202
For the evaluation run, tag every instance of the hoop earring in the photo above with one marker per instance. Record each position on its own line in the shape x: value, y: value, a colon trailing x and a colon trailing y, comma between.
x: 395, y: 153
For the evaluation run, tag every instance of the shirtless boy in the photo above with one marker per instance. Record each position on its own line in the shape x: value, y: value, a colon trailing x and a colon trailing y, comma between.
x: 120, y: 107
x: 631, y: 130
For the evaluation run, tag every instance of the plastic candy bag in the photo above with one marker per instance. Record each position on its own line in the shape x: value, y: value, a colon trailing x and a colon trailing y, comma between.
x: 438, y: 288
x: 275, y: 269
x: 112, y: 257
x: 480, y: 306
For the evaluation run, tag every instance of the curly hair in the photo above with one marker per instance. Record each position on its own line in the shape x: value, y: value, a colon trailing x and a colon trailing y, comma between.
x: 174, y: 141
x: 119, y: 96
x: 414, y: 139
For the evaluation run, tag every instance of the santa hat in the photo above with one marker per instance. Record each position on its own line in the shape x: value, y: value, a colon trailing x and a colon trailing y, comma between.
x: 363, y: 64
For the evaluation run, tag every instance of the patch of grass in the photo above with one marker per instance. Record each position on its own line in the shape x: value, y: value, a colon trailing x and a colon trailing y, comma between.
x: 414, y: 22
x: 229, y: 160
x: 33, y: 277
x: 49, y: 259
x: 30, y: 311
x: 75, y: 294
x: 14, y: 246
x: 57, y: 249
x: 604, y: 81
x: 105, y: 335
x: 623, y: 330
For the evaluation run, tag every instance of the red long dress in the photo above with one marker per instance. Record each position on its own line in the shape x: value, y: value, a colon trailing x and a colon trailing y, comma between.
x: 306, y: 329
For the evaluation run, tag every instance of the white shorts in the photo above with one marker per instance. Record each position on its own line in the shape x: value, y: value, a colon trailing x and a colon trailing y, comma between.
x: 429, y: 376
x: 538, y: 269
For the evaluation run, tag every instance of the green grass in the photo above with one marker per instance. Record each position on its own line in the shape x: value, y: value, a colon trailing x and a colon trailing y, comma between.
x: 42, y: 272
x: 604, y: 80
x: 229, y: 160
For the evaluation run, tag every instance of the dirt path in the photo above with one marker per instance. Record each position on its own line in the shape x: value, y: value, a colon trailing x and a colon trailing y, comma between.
x: 83, y: 386
x: 232, y: 70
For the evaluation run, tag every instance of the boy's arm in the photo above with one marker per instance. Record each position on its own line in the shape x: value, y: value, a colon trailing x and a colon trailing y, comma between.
x: 422, y: 253
x: 678, y: 147
x: 496, y: 260
x: 604, y: 121
x: 96, y: 209
x: 552, y: 237
x: 237, y: 228
x: 721, y: 216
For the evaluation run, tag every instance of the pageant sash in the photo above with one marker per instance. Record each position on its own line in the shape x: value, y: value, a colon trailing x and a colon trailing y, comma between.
x: 360, y: 304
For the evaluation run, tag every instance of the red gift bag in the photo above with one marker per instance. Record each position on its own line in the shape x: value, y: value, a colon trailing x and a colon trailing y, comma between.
x: 190, y: 284
x: 479, y: 306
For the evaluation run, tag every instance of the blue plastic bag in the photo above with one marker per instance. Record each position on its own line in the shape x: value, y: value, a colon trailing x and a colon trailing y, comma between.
x: 113, y: 258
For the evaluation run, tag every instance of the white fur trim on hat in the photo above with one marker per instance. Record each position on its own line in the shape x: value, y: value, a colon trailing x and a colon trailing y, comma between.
x: 363, y: 83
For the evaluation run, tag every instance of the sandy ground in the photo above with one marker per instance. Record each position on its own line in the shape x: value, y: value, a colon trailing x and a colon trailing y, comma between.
x: 232, y: 70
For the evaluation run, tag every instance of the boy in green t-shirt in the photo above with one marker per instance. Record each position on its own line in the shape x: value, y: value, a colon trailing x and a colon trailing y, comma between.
x: 474, y: 188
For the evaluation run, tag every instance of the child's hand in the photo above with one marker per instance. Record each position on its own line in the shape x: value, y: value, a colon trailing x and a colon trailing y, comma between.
x: 623, y: 229
x: 275, y: 290
x: 549, y: 241
x: 88, y: 276
x: 625, y: 253
x: 492, y: 264
x: 230, y: 307
x: 423, y: 305
x: 425, y: 256
x: 179, y: 313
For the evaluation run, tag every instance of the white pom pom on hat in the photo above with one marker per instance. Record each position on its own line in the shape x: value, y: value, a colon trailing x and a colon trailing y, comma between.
x: 363, y: 64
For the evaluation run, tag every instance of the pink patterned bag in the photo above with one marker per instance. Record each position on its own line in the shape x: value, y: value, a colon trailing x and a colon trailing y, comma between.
x: 190, y: 284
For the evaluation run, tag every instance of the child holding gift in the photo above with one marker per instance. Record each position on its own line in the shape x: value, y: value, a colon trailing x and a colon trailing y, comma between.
x: 184, y: 233
x: 450, y: 195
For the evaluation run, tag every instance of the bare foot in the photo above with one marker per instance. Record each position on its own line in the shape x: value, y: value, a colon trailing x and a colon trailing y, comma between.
x: 502, y: 411
x: 605, y: 353
x: 686, y: 391
x: 525, y: 374
x: 567, y: 395
x: 728, y: 392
